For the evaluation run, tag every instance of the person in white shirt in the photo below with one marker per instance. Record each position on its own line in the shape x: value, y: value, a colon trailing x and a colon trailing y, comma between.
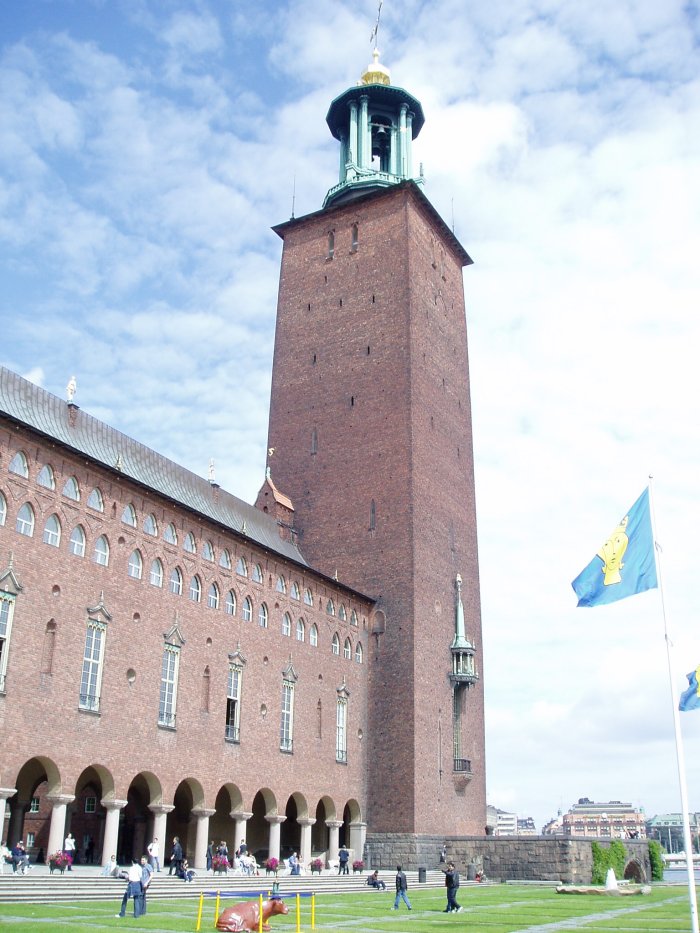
x: 69, y: 849
x: 154, y: 854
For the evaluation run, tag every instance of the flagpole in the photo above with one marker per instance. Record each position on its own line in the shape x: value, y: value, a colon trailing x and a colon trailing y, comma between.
x: 680, y: 756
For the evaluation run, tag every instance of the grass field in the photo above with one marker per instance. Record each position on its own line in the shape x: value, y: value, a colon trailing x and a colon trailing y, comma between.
x: 494, y: 909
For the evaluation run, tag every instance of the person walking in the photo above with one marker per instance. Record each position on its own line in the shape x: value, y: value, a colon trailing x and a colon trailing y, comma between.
x: 452, y: 884
x: 133, y: 889
x: 176, y: 857
x: 146, y: 875
x: 343, y: 858
x: 69, y: 849
x: 401, y: 888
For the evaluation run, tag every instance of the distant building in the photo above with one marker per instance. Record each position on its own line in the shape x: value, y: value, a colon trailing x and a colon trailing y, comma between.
x: 526, y: 827
x: 610, y: 820
x: 554, y: 827
x: 508, y: 824
x: 667, y: 828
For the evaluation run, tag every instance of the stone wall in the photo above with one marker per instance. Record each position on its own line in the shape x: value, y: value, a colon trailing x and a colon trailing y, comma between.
x: 503, y: 858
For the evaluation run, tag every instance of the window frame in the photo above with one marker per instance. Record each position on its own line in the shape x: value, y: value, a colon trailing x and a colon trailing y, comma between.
x: 77, y: 545
x: 7, y: 612
x: 232, y: 731
x: 167, y: 701
x: 93, y: 664
x: 52, y: 536
x: 287, y: 718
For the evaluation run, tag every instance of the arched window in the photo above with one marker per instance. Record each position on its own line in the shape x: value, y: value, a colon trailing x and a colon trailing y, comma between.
x: 287, y: 624
x: 135, y: 567
x: 308, y: 597
x: 347, y: 649
x: 230, y: 604
x: 213, y: 597
x: 129, y: 515
x: 95, y: 500
x: 330, y: 607
x: 52, y: 531
x: 225, y: 559
x: 195, y: 589
x: 257, y: 574
x: 301, y: 630
x: 247, y: 610
x: 295, y: 593
x: 19, y: 465
x: 358, y: 652
x: 156, y: 574
x: 355, y: 238
x: 342, y: 614
x: 313, y: 636
x: 71, y: 490
x: 242, y: 567
x: 207, y: 550
x: 49, y: 646
x: 150, y: 525
x: 353, y: 618
x: 189, y: 543
x: 331, y: 244
x: 77, y: 541
x: 46, y: 477
x: 101, y: 553
x: 206, y: 689
x: 3, y: 509
x: 176, y: 582
x: 25, y: 520
x: 281, y: 585
x: 335, y: 644
x: 263, y: 616
x: 170, y: 534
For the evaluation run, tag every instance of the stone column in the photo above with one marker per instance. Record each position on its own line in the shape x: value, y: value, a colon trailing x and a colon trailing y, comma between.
x: 201, y: 837
x: 358, y: 831
x: 5, y: 793
x: 364, y: 156
x: 160, y: 823
x: 111, y: 838
x: 393, y: 154
x: 59, y: 803
x: 352, y: 154
x: 305, y: 845
x: 333, y: 837
x: 409, y: 145
x: 273, y: 846
x: 240, y: 818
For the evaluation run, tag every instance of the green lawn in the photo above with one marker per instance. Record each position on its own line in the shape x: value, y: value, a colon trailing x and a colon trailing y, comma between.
x: 494, y: 909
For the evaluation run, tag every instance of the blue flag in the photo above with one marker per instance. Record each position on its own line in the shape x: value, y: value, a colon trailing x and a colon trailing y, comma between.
x: 625, y: 563
x: 690, y: 699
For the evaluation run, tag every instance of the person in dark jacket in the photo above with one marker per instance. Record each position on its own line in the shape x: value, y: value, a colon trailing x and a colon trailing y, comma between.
x: 176, y: 857
x: 401, y: 888
x: 452, y: 885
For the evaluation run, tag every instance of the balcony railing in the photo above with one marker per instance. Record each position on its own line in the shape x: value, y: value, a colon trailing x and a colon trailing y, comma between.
x: 233, y: 734
x: 167, y: 720
x: 90, y: 701
x: 462, y: 765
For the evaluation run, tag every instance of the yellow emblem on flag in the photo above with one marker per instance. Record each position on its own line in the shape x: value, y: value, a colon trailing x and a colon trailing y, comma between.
x: 612, y: 552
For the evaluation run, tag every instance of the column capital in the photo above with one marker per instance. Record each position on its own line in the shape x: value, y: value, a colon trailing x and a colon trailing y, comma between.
x: 112, y: 804
x: 202, y: 813
x: 306, y: 820
x: 7, y: 792
x: 358, y: 824
x: 334, y: 824
x: 242, y: 815
x: 275, y: 818
x: 157, y: 808
x: 58, y: 799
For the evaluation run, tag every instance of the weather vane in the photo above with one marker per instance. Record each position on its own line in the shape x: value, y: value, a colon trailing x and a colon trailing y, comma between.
x: 375, y: 32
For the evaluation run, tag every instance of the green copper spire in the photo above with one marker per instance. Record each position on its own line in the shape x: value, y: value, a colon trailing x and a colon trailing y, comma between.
x: 375, y: 124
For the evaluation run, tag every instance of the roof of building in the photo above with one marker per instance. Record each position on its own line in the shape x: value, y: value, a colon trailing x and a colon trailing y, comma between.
x: 65, y: 423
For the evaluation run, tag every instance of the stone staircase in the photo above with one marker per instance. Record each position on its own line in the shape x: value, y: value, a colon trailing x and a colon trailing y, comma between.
x: 85, y: 883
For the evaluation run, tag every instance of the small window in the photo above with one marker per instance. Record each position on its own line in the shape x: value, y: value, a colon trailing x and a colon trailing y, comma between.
x: 230, y: 604
x: 195, y: 589
x: 170, y: 534
x: 257, y: 574
x: 71, y: 490
x: 314, y: 441
x: 95, y: 500
x: 25, y: 520
x: 135, y: 567
x: 18, y: 465
x: 242, y: 567
x: 129, y: 515
x: 208, y: 550
x: 281, y: 585
x: 347, y: 649
x: 330, y: 607
x: 3, y: 509
x: 34, y: 805
x: 247, y: 610
x: 77, y: 541
x: 287, y: 625
x: 213, y: 597
x: 358, y: 653
x: 335, y: 644
x: 225, y: 559
x: 331, y: 244
x: 313, y: 636
x: 150, y: 526
x: 308, y: 597
x: 176, y: 582
x: 263, y: 616
x: 355, y: 238
x: 189, y: 543
x: 31, y: 841
x: 156, y: 573
x: 295, y: 592
x: 372, y: 516
x: 52, y: 531
x: 46, y: 477
x: 91, y: 804
x: 101, y: 553
x: 353, y: 618
x: 301, y: 630
x: 342, y: 614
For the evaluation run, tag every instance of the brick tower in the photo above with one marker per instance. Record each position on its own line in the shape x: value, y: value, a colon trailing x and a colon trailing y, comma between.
x: 370, y: 427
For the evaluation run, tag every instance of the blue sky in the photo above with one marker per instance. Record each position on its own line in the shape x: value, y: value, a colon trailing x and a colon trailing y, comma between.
x: 147, y: 149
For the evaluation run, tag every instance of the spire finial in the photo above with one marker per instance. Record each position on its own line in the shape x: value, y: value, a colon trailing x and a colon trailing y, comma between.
x: 375, y: 32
